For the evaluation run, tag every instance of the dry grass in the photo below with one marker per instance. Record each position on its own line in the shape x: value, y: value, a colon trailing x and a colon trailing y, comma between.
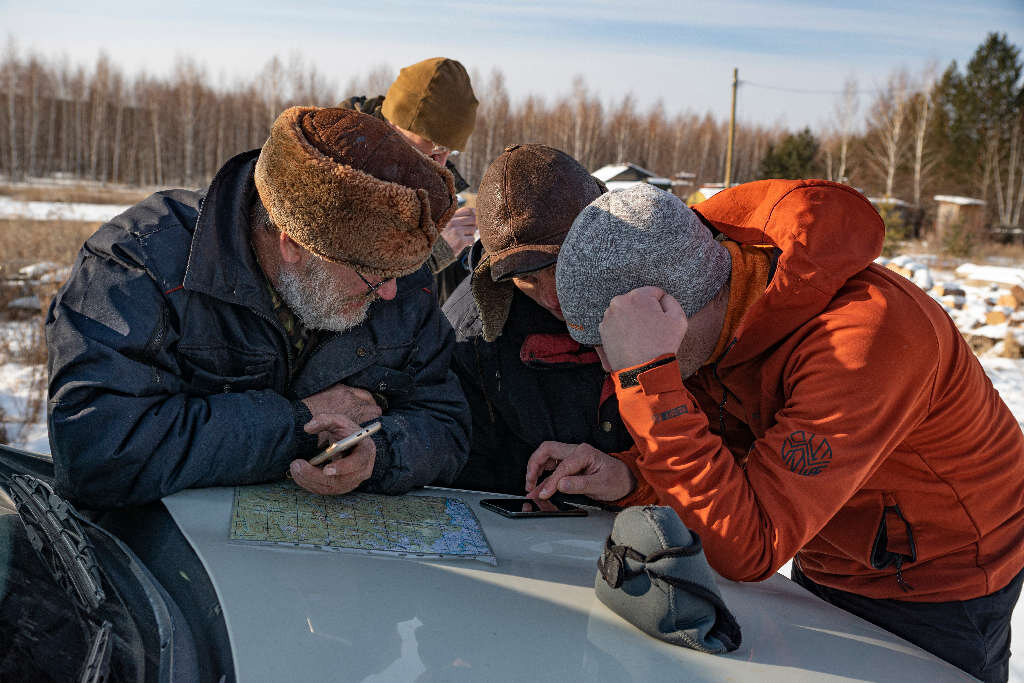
x: 992, y: 252
x: 88, y: 193
x: 1001, y: 254
x: 24, y: 242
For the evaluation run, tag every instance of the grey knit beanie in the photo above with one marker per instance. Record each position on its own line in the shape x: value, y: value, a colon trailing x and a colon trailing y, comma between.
x: 634, y: 238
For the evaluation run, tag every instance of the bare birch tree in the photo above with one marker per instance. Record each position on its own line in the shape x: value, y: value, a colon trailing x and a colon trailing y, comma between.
x: 887, y: 125
x: 845, y: 118
x: 923, y: 111
x: 10, y: 79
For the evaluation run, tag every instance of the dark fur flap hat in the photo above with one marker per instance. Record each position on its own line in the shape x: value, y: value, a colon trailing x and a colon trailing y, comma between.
x: 528, y: 199
x: 653, y: 573
x: 347, y: 187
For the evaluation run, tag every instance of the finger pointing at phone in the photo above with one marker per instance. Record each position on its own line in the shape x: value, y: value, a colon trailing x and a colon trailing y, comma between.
x: 577, y: 469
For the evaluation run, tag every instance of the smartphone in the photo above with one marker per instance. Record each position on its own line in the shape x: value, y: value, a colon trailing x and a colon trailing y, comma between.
x: 339, y: 447
x: 528, y: 507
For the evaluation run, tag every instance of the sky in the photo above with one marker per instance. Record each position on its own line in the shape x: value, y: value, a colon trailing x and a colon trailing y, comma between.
x: 793, y: 56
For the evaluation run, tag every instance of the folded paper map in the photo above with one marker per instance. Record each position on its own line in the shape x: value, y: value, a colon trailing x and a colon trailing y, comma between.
x: 282, y: 513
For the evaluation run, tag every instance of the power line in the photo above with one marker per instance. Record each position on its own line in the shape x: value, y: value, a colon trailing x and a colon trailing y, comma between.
x: 806, y: 91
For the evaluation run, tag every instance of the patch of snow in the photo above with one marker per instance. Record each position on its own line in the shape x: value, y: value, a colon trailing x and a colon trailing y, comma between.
x: 52, y: 211
x: 962, y: 201
x: 993, y: 274
x: 29, y: 303
x: 38, y: 270
x: 606, y: 173
x: 59, y: 275
x: 15, y: 381
x: 923, y: 279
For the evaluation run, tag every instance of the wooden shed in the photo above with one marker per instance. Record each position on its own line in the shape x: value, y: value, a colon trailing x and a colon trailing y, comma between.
x: 963, y: 211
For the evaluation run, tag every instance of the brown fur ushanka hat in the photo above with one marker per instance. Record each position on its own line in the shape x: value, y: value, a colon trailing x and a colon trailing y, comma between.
x: 348, y: 188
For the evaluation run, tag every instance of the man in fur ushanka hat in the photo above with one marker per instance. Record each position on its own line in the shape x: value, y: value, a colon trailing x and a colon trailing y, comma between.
x: 223, y: 337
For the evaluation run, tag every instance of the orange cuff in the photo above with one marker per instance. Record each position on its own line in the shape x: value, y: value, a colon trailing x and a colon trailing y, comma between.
x: 637, y: 375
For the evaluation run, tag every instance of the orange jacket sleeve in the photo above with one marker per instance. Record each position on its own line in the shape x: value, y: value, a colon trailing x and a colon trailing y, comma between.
x: 852, y: 391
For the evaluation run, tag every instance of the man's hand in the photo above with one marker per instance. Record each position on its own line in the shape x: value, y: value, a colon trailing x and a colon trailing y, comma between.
x: 577, y: 469
x: 357, y: 405
x: 640, y: 326
x: 461, y: 230
x: 344, y: 473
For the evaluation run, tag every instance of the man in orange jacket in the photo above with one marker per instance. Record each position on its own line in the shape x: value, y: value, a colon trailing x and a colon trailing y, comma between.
x: 789, y: 397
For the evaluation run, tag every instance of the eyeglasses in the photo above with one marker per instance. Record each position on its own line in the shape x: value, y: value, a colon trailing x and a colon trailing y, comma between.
x: 437, y: 150
x: 370, y: 287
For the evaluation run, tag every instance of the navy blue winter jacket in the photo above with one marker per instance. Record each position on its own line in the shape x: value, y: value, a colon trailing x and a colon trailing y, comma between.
x: 168, y: 368
x: 519, y: 398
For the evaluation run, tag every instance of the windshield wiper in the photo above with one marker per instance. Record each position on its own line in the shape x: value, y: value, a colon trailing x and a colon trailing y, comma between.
x: 97, y: 665
x: 59, y: 540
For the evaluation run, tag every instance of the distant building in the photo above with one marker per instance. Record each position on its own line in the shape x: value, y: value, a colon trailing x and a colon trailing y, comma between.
x: 906, y: 215
x: 704, y: 192
x: 891, y: 202
x: 965, y: 212
x: 621, y: 176
x: 683, y: 179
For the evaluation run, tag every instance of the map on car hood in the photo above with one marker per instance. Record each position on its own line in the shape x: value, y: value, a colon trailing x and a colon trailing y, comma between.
x: 282, y: 513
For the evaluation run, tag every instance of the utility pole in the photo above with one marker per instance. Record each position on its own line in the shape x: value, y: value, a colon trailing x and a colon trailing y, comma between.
x: 732, y: 129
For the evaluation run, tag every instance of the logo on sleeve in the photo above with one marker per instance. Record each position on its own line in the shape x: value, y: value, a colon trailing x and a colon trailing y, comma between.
x: 669, y: 414
x: 806, y: 454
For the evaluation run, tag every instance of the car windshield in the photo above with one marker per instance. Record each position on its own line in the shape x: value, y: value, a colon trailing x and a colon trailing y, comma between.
x: 61, y: 616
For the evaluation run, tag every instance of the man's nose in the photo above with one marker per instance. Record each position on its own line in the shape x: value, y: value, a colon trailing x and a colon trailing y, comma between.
x: 440, y: 157
x: 388, y: 290
x: 549, y: 297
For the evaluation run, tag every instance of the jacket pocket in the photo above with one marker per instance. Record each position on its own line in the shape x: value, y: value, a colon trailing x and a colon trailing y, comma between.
x: 215, y: 371
x: 894, y: 541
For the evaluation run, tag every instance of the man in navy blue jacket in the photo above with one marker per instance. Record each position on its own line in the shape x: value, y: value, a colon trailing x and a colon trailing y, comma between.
x: 222, y: 338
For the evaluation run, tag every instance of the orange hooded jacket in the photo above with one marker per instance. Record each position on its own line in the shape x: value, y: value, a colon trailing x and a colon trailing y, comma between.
x: 860, y: 430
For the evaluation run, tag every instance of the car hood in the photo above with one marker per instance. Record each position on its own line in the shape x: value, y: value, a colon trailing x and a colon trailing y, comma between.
x: 295, y: 613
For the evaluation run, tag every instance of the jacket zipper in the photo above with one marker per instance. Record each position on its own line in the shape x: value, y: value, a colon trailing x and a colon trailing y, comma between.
x: 483, y: 380
x: 890, y: 502
x: 276, y: 324
x: 725, y: 389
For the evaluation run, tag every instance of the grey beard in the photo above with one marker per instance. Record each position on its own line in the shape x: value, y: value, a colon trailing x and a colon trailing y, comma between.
x: 308, y: 296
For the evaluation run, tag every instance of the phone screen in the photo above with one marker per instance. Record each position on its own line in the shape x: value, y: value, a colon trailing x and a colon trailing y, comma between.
x: 528, y: 507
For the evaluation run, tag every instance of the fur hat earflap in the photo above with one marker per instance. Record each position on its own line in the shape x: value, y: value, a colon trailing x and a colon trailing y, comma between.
x: 347, y: 187
x: 493, y: 299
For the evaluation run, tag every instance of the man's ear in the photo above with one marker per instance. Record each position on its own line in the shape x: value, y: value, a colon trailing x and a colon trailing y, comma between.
x: 291, y: 251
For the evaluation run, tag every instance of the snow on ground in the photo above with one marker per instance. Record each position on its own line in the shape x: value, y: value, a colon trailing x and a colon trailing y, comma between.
x: 52, y: 211
x: 974, y: 292
x: 14, y: 379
